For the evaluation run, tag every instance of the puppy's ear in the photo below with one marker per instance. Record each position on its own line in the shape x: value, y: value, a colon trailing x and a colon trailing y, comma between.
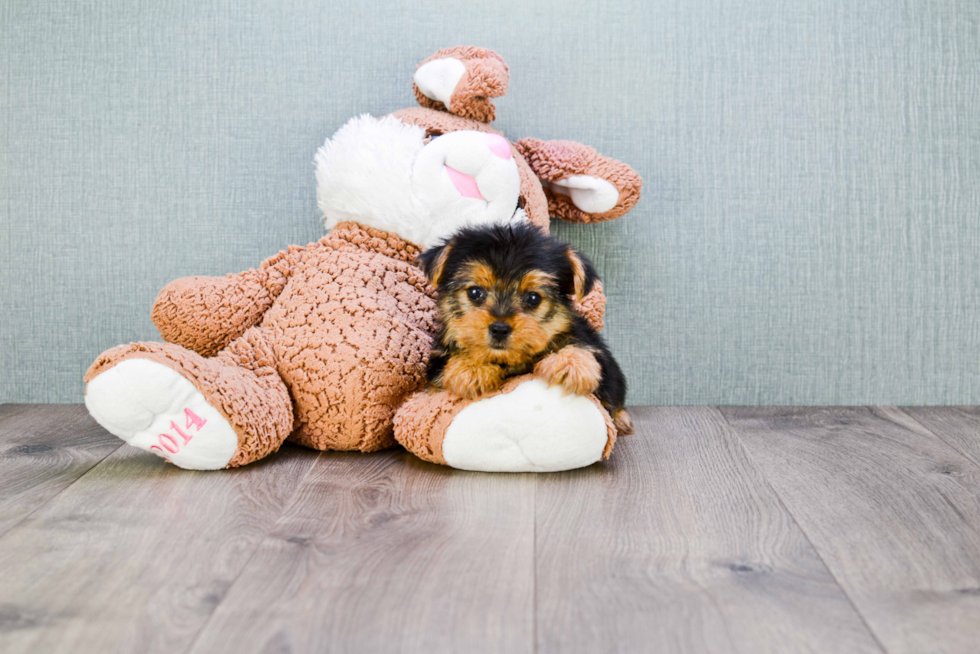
x: 583, y: 274
x: 433, y: 262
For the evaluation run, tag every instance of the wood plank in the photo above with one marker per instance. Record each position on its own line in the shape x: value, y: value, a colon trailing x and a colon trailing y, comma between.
x: 43, y: 449
x: 135, y: 555
x: 957, y: 426
x: 679, y: 545
x: 893, y: 511
x: 383, y: 552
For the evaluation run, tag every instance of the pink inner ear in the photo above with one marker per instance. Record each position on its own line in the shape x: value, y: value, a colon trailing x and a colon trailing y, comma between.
x: 499, y: 146
x: 465, y: 184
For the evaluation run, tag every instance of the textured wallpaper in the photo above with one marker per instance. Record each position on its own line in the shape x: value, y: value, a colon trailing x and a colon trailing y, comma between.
x: 809, y: 231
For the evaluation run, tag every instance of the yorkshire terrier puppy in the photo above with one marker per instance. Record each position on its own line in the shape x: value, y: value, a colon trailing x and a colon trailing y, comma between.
x: 506, y: 308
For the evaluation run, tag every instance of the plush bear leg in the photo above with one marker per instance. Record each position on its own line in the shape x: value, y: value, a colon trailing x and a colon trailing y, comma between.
x: 198, y: 413
x: 526, y: 426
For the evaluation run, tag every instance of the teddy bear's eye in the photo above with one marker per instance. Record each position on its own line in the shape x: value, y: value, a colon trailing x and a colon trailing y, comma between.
x: 532, y: 300
x: 476, y: 294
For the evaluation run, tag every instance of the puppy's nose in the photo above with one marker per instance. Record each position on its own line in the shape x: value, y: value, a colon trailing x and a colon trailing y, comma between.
x: 500, y: 330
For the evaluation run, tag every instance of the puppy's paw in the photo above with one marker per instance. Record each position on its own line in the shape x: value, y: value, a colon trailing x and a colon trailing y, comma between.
x: 573, y: 368
x: 622, y: 422
x: 470, y: 380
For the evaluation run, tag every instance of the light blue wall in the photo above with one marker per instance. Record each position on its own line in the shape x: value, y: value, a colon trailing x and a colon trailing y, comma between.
x: 809, y: 231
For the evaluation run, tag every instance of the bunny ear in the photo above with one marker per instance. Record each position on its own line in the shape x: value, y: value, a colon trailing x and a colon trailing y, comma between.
x: 582, y: 185
x: 461, y: 81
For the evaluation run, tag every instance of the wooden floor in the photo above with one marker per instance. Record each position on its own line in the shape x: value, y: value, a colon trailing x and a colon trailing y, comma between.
x: 711, y: 530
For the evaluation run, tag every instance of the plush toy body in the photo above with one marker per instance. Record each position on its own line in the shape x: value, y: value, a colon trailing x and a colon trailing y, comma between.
x: 322, y: 344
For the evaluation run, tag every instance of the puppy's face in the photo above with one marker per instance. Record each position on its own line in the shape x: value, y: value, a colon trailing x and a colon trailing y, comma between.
x: 508, y: 317
x: 505, y: 291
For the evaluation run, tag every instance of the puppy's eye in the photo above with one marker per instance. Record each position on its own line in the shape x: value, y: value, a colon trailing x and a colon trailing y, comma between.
x: 476, y: 294
x: 532, y: 300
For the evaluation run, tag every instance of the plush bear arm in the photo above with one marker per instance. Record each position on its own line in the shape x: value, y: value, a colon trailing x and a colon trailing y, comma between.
x: 204, y: 314
x: 499, y: 426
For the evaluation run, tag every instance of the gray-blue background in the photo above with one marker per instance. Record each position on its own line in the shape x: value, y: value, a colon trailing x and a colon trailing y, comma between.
x: 809, y: 231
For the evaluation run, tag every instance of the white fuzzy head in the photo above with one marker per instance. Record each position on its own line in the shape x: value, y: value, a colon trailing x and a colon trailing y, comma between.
x: 384, y: 173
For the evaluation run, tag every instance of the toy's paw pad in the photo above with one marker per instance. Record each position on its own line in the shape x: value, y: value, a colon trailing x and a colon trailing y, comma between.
x: 573, y: 368
x: 152, y: 407
x: 469, y: 380
x: 534, y: 428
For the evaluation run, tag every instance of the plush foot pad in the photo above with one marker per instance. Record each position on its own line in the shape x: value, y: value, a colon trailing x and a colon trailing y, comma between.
x: 534, y: 428
x: 154, y: 408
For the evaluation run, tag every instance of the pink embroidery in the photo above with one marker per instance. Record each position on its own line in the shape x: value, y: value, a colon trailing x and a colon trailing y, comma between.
x: 187, y: 439
x: 169, y: 443
x: 174, y: 448
x: 192, y: 419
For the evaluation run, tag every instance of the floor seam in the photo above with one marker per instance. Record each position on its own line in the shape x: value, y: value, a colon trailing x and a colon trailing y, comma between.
x: 932, y: 432
x: 534, y: 578
x: 59, y: 493
x: 792, y: 516
x: 258, y: 545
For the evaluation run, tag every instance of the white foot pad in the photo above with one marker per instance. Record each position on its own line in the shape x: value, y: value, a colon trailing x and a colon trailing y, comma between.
x: 154, y: 408
x: 534, y: 428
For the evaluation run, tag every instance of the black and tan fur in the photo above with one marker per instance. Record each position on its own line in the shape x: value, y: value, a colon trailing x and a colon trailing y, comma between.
x: 506, y: 308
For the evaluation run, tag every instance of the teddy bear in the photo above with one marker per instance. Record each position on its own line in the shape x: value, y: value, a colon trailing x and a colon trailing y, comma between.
x: 326, y: 345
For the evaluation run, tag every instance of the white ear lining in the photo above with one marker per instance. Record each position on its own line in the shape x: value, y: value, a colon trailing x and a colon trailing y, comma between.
x: 590, y: 194
x: 438, y: 78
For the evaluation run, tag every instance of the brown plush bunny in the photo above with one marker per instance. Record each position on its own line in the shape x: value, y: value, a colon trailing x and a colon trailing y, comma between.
x: 322, y: 344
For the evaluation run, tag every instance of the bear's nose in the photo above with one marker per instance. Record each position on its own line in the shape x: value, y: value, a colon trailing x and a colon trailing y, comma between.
x: 500, y: 330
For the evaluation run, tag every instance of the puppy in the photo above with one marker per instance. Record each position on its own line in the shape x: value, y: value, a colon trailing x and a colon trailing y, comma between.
x: 506, y: 308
